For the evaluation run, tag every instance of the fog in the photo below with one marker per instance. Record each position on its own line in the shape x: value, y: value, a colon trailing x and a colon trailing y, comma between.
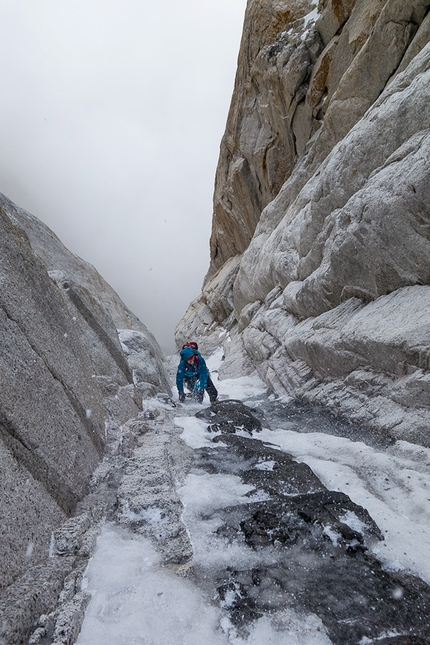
x: 112, y: 116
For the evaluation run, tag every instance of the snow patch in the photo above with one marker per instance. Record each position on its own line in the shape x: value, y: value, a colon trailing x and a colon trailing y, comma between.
x: 152, y: 514
x: 310, y: 19
x: 136, y: 602
x: 29, y: 550
x: 351, y: 519
x: 265, y: 465
x: 195, y: 432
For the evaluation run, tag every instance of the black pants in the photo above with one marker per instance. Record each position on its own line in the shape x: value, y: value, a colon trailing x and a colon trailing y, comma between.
x: 210, y: 389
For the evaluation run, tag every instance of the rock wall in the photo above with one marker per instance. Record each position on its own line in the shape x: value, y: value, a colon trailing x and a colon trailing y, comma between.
x: 66, y: 378
x: 322, y: 283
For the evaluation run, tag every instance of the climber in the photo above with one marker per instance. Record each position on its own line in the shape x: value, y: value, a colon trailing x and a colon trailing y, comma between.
x: 192, y: 369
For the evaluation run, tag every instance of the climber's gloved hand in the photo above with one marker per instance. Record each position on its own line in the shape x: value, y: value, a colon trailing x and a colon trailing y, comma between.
x: 181, y: 397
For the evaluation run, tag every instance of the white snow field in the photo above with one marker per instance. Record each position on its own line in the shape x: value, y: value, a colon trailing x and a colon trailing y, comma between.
x: 137, y: 601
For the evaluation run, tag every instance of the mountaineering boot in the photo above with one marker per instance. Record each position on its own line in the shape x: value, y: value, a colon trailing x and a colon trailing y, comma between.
x: 212, y: 391
x: 199, y: 394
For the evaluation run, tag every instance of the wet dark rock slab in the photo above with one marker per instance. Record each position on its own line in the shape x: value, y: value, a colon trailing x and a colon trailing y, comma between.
x: 230, y: 416
x: 270, y: 469
x: 305, y: 417
x: 329, y: 510
x: 313, y: 547
x: 353, y: 596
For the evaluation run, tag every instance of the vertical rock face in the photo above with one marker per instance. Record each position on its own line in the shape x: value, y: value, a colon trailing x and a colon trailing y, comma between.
x: 330, y: 126
x: 65, y: 379
x: 258, y: 151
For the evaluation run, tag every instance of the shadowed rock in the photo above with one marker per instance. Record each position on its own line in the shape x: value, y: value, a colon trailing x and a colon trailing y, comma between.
x: 230, y: 417
x: 312, y: 547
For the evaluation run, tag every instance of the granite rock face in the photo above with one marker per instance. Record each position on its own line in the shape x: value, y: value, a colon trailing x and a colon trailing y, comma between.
x: 65, y: 380
x: 320, y: 242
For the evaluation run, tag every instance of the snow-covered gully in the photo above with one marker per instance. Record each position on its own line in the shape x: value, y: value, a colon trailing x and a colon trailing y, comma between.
x: 270, y: 523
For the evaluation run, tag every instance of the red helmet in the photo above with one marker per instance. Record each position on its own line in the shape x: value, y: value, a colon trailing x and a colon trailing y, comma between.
x: 191, y: 344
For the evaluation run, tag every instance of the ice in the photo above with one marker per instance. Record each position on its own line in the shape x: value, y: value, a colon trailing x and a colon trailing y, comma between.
x: 353, y: 522
x: 390, y: 634
x: 195, y: 432
x: 208, y: 492
x: 393, y: 485
x: 265, y: 465
x: 201, y: 495
x: 289, y: 629
x: 137, y: 602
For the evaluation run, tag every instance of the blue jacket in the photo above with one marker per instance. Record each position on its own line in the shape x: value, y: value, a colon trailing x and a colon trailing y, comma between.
x: 198, y: 370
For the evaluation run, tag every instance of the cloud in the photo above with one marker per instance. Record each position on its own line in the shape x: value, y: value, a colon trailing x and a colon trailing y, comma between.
x: 112, y: 117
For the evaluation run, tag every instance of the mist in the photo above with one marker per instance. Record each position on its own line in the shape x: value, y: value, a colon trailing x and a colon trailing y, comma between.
x: 113, y: 114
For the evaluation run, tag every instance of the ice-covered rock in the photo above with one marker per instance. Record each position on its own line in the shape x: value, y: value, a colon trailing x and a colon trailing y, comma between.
x: 311, y: 545
x: 145, y: 362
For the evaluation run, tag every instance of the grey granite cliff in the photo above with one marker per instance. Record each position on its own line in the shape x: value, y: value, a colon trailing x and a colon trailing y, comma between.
x: 74, y: 363
x: 320, y: 244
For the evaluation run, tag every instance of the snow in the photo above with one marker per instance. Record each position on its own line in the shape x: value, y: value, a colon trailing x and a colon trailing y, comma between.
x: 265, y: 465
x: 308, y: 22
x: 243, y: 388
x: 393, y: 485
x: 29, y: 550
x: 311, y: 17
x: 202, y: 495
x: 151, y: 515
x: 137, y: 601
x: 195, y: 431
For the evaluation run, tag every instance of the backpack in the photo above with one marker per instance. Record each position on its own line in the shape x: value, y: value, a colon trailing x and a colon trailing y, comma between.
x: 191, y: 344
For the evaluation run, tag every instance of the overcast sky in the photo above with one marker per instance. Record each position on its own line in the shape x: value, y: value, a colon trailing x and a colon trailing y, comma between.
x: 112, y: 116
